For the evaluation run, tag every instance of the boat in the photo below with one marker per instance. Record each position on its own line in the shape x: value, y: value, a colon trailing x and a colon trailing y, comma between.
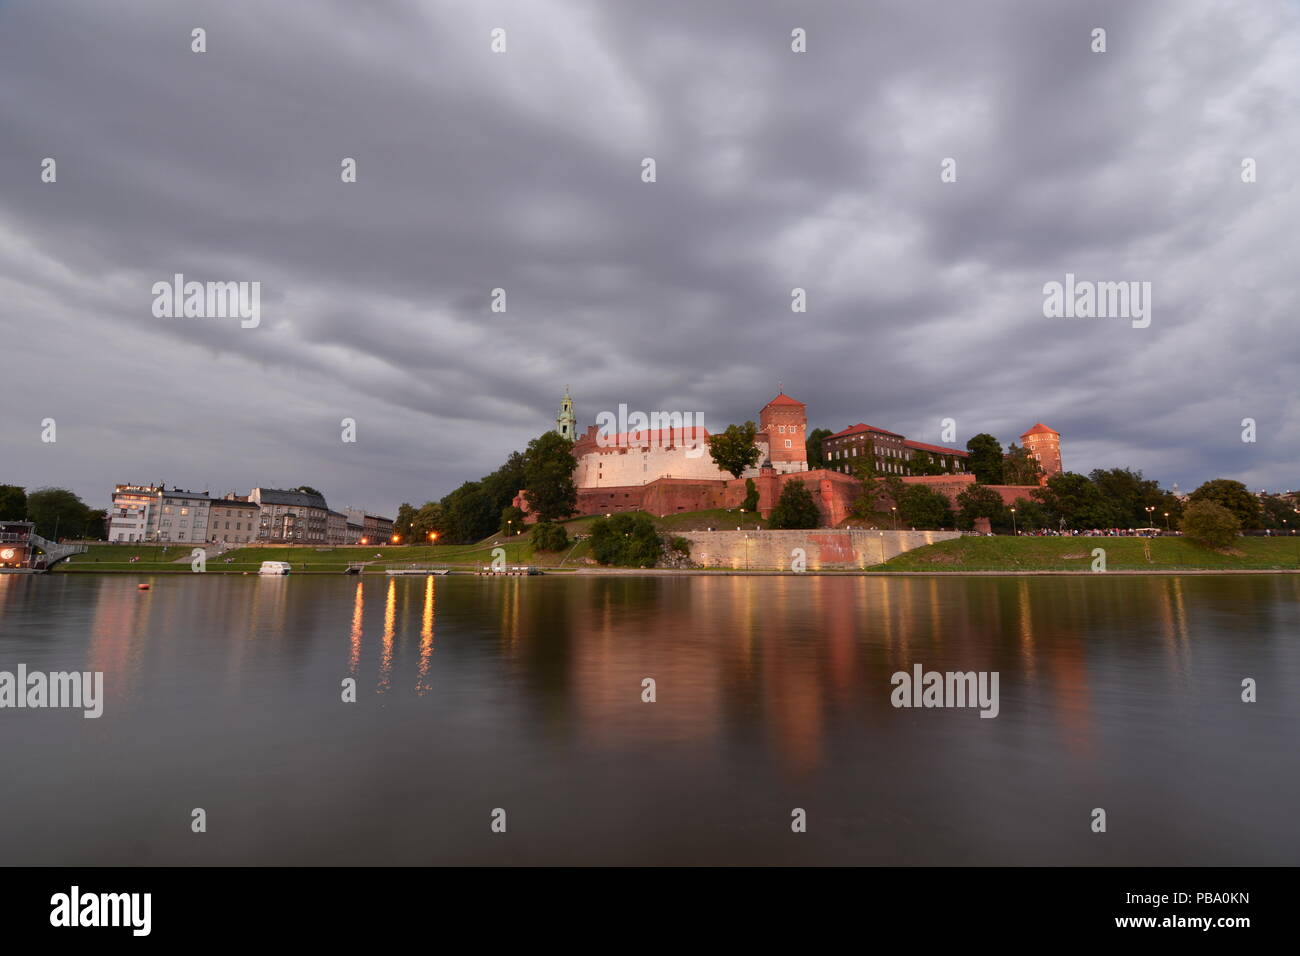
x: 275, y: 567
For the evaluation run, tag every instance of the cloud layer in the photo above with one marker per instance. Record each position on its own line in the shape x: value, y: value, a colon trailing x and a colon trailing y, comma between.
x: 522, y: 170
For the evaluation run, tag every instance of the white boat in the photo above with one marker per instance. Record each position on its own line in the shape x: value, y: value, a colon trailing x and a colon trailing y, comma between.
x: 275, y: 567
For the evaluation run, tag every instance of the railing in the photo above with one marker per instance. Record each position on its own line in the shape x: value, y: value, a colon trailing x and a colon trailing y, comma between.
x: 54, y: 553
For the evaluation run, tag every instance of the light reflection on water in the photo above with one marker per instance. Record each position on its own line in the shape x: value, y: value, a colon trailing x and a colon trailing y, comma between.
x: 773, y: 692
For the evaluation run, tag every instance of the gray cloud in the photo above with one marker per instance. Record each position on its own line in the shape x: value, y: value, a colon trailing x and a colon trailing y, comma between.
x: 521, y: 171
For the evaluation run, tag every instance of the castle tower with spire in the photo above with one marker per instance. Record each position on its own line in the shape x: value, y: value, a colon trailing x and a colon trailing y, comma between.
x: 567, y: 422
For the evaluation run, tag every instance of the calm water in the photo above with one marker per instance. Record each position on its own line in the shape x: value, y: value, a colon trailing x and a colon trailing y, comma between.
x: 773, y: 693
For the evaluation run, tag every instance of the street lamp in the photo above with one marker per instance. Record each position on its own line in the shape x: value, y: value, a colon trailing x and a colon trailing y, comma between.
x: 1014, y: 532
x: 433, y: 537
x: 895, y: 512
x: 1167, y: 525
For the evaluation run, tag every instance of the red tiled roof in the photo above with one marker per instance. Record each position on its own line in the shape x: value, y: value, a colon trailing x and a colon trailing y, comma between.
x: 937, y: 449
x: 784, y: 399
x: 859, y: 428
x: 1041, y: 429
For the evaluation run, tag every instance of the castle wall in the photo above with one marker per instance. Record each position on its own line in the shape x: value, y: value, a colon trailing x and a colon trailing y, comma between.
x: 825, y: 549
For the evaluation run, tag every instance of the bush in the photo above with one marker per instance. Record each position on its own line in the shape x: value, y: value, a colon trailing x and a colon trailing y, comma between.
x: 547, y: 536
x: 626, y: 541
x: 923, y: 508
x: 750, y: 504
x: 795, y: 508
x: 1210, y: 524
x: 681, y: 546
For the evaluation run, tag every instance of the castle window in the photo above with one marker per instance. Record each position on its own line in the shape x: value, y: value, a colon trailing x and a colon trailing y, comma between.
x: 787, y: 443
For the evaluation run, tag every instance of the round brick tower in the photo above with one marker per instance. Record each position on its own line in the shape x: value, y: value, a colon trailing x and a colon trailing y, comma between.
x: 1045, y: 445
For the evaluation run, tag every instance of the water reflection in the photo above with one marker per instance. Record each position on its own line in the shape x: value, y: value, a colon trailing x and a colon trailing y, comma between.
x: 769, y: 690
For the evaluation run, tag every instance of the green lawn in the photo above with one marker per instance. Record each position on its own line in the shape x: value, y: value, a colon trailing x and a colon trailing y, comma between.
x: 1006, y: 553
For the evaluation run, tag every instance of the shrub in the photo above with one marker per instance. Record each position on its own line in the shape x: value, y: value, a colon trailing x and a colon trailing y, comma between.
x: 547, y: 536
x: 795, y: 508
x: 1210, y: 524
x: 626, y: 541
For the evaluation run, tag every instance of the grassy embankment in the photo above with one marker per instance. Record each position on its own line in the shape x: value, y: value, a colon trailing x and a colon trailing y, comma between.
x: 155, y: 558
x: 1075, y: 554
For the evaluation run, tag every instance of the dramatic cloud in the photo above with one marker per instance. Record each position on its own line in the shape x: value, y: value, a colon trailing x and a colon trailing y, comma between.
x: 522, y: 170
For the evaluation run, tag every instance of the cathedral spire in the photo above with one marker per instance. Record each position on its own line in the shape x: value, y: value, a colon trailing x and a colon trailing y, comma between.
x: 566, y: 424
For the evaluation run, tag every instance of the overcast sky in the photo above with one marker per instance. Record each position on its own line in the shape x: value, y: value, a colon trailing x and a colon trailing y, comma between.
x: 522, y: 170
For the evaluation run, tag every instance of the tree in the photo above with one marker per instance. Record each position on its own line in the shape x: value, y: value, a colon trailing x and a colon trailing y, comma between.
x: 977, y: 501
x: 96, y: 524
x: 402, y: 523
x: 507, y: 481
x: 308, y: 490
x: 1071, y: 499
x: 733, y: 449
x: 1019, y: 467
x: 1278, y: 512
x: 1234, y: 496
x: 548, y: 477
x: 795, y: 508
x: 548, y: 536
x: 985, y: 459
x: 432, y: 519
x: 1030, y: 515
x: 814, y: 445
x: 750, y: 504
x: 1128, y: 495
x: 468, y: 514
x: 1210, y: 524
x: 57, y: 511
x: 626, y: 541
x: 924, y: 508
x: 512, y: 520
x: 13, y: 503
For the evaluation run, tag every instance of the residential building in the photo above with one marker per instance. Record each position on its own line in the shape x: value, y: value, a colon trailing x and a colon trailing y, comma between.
x: 233, y: 519
x: 133, y: 514
x: 183, y: 517
x: 292, y: 517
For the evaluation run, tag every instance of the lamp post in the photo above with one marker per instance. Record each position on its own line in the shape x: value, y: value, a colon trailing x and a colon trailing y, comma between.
x: 1167, y: 525
x: 1150, y: 516
x: 1015, y: 533
x: 894, y: 511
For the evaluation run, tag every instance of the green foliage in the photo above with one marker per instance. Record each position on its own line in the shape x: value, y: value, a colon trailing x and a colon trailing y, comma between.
x: 512, y: 520
x: 816, y: 459
x: 13, y: 503
x: 1279, y: 513
x: 507, y: 481
x: 1234, y: 496
x: 1075, y: 502
x: 795, y: 508
x: 1031, y: 516
x: 750, y: 504
x: 402, y: 523
x: 681, y: 545
x: 467, y: 514
x: 985, y: 459
x: 1129, y: 495
x: 57, y: 511
x: 626, y: 541
x: 308, y: 490
x: 924, y: 508
x: 548, y: 477
x: 1210, y: 524
x: 548, y: 536
x: 976, y: 501
x: 1019, y: 467
x: 733, y: 449
x: 432, y: 517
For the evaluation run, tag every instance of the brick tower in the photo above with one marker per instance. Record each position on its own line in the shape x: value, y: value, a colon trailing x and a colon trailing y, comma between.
x: 1045, y: 445
x: 784, y: 423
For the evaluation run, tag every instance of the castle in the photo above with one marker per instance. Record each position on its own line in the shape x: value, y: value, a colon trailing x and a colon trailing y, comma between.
x: 661, y: 464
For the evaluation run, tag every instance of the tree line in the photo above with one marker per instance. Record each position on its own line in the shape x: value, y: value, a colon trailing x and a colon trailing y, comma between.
x: 56, y: 512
